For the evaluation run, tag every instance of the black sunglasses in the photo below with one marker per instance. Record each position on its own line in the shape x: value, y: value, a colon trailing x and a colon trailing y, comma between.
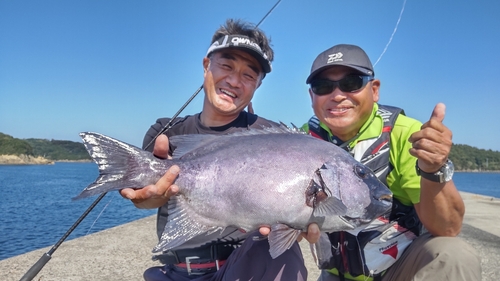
x: 349, y: 84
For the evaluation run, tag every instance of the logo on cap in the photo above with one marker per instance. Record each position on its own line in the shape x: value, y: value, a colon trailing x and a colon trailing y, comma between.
x: 335, y: 57
x: 241, y: 41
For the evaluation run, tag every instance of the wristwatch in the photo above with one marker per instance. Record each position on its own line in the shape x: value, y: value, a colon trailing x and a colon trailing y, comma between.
x: 444, y: 174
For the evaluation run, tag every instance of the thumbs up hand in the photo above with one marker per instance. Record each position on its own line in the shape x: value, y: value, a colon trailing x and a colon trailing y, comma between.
x: 432, y: 144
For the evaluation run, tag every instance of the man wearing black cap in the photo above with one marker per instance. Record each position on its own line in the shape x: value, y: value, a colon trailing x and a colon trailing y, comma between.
x: 234, y: 66
x: 410, y: 158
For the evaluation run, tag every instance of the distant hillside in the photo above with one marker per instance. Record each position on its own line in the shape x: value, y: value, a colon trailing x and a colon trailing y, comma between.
x: 468, y: 158
x: 13, y: 146
x: 55, y: 150
x: 58, y: 149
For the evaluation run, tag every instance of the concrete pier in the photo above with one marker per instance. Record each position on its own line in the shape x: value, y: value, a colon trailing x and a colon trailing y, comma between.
x: 124, y: 252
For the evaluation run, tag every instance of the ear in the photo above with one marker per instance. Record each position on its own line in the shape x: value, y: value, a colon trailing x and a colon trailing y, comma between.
x: 258, y: 84
x: 311, y: 94
x: 375, y: 88
x: 206, y: 64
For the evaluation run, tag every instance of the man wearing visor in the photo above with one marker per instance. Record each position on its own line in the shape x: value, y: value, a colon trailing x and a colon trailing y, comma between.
x: 417, y: 239
x: 235, y: 65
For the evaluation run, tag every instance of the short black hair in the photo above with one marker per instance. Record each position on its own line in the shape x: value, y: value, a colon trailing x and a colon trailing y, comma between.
x: 240, y: 27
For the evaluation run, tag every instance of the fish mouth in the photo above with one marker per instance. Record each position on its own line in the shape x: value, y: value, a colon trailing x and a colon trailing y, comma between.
x: 386, y: 199
x: 348, y: 221
x: 372, y: 212
x: 386, y: 202
x: 356, y: 222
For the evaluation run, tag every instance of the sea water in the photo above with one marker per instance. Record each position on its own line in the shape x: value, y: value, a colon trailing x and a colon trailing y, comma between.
x: 36, y: 208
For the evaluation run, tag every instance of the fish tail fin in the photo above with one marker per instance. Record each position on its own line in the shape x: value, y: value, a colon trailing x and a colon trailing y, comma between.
x: 121, y: 165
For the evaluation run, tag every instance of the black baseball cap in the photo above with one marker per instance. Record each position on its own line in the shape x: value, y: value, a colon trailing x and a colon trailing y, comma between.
x: 244, y: 43
x: 343, y: 54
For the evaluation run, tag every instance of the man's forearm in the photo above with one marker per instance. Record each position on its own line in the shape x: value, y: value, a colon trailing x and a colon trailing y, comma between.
x: 441, y: 208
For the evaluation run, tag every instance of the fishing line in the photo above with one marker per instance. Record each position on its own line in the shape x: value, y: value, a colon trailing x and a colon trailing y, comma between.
x: 35, y: 269
x: 98, y: 217
x: 392, y: 35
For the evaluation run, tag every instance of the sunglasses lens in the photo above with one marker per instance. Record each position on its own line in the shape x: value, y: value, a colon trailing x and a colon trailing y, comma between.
x: 322, y: 87
x: 351, y: 83
x: 348, y: 84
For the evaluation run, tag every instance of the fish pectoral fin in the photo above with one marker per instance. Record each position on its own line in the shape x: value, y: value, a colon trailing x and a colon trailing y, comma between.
x: 181, y: 226
x: 330, y: 206
x: 323, y: 249
x: 281, y: 238
x: 314, y: 253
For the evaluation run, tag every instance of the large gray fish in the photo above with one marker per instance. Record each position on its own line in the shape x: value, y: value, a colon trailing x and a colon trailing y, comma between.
x: 275, y: 176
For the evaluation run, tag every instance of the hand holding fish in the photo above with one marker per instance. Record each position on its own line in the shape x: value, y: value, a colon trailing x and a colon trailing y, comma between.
x: 155, y: 195
x: 312, y: 235
x: 432, y: 144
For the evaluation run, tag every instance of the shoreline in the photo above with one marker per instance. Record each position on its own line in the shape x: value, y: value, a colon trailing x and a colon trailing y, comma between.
x: 477, y: 171
x: 38, y: 160
x: 24, y: 159
x: 78, y: 161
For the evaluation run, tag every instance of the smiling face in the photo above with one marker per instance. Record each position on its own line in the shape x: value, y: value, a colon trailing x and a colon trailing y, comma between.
x: 231, y: 78
x: 344, y: 113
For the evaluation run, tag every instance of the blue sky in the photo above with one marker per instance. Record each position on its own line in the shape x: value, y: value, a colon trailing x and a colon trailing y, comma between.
x: 114, y: 67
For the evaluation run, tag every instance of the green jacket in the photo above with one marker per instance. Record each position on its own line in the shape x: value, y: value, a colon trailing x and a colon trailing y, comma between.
x: 403, y: 179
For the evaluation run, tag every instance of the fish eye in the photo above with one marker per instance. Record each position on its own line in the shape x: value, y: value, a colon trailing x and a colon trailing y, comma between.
x: 361, y: 171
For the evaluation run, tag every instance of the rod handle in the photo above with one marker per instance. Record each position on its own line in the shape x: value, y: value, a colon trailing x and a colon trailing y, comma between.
x: 33, y: 271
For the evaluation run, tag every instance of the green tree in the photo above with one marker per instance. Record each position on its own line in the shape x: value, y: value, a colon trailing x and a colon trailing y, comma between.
x: 13, y: 146
x: 466, y: 157
x: 52, y: 150
x: 59, y: 149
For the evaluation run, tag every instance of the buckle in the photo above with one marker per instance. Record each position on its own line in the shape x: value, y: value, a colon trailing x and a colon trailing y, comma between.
x: 188, y: 265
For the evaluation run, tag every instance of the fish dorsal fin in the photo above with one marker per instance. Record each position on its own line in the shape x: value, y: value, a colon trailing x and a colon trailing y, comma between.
x: 281, y: 238
x: 269, y: 129
x: 188, y: 143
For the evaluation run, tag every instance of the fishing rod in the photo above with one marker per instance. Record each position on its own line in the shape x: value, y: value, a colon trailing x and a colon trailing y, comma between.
x: 35, y: 269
